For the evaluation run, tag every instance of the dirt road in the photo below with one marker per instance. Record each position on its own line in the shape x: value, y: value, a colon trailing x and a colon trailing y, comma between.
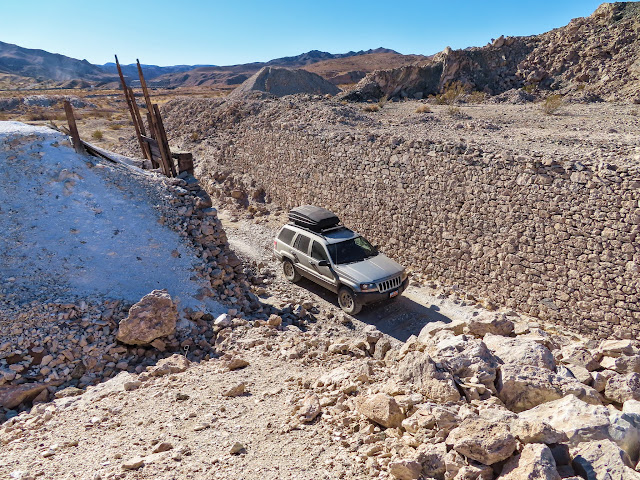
x: 400, y: 319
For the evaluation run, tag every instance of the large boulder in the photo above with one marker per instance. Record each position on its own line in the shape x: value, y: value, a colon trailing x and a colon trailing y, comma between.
x: 578, y: 355
x: 536, y: 462
x: 434, y: 383
x: 13, y: 395
x: 496, y: 324
x: 481, y: 440
x: 518, y: 351
x: 620, y: 388
x: 152, y: 317
x: 622, y: 364
x: 602, y: 460
x: 583, y: 422
x: 431, y: 458
x: 524, y: 387
x: 616, y: 348
x: 466, y: 358
x: 382, y: 409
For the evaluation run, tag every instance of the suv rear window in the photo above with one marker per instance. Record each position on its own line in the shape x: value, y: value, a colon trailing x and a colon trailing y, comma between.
x: 302, y: 243
x: 286, y: 236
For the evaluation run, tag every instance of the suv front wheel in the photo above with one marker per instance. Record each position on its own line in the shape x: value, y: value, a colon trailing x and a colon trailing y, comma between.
x: 347, y: 301
x: 289, y: 271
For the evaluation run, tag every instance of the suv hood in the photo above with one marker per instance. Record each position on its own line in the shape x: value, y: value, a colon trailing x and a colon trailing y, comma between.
x: 370, y: 270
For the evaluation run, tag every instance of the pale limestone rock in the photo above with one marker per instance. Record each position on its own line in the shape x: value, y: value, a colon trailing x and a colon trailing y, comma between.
x: 429, y: 416
x: 600, y: 379
x: 616, y: 348
x: 536, y: 432
x: 431, y: 328
x: 578, y: 355
x: 310, y: 408
x: 235, y: 390
x: 622, y: 364
x: 418, y: 369
x: 519, y: 351
x: 176, y: 363
x: 152, y: 317
x: 496, y: 324
x: 621, y: 388
x: 133, y: 463
x: 382, y: 409
x: 431, y: 458
x: 631, y: 407
x: 405, y: 469
x: 602, y: 460
x: 583, y: 422
x: 483, y: 441
x: 524, y: 387
x: 536, y: 462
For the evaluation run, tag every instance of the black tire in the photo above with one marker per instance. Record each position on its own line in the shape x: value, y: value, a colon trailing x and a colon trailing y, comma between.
x: 289, y: 271
x: 347, y: 301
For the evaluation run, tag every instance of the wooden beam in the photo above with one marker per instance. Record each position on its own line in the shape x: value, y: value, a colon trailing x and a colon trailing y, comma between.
x: 143, y: 84
x: 163, y: 143
x: 130, y: 103
x: 154, y: 162
x: 75, y: 136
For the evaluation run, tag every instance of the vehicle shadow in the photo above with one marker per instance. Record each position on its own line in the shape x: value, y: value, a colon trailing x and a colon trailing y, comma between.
x: 399, y: 319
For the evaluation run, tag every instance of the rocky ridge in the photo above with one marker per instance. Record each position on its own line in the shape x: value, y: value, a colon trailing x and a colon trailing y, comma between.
x: 591, y: 59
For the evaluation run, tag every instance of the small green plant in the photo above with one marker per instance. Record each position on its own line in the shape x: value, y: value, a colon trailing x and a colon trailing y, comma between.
x: 452, y: 93
x: 372, y: 107
x: 115, y: 126
x: 552, y: 104
x: 97, y: 135
x: 423, y: 109
x: 195, y: 136
x: 530, y: 88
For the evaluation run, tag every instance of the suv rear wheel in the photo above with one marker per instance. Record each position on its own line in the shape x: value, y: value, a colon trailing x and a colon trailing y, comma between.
x: 347, y: 301
x: 289, y: 271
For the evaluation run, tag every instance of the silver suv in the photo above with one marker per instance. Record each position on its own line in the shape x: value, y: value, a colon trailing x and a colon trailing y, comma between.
x: 315, y: 245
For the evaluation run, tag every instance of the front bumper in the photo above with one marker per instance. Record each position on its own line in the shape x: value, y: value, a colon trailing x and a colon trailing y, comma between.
x: 366, y: 298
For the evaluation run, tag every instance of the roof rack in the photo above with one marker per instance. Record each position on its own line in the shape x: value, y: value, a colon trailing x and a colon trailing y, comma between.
x: 321, y: 231
x: 316, y: 219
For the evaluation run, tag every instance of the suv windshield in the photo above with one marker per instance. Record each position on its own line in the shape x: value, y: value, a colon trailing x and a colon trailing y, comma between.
x: 353, y: 250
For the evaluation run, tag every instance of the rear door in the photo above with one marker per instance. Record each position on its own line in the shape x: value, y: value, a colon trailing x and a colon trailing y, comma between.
x: 300, y: 252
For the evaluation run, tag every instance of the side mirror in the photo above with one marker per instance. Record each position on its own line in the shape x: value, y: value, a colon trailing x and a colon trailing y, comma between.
x: 323, y: 263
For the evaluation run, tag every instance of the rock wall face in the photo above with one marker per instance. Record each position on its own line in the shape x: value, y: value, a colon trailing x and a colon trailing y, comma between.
x: 557, y: 241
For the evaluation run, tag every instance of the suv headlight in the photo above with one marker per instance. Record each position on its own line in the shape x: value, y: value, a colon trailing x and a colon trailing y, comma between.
x: 404, y: 275
x: 368, y: 287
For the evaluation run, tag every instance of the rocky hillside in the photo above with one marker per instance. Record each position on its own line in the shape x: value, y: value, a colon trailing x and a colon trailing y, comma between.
x: 42, y: 65
x: 593, y: 58
x: 337, y: 68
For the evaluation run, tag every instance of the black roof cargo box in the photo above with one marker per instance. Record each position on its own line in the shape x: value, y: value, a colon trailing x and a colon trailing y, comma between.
x: 313, y: 218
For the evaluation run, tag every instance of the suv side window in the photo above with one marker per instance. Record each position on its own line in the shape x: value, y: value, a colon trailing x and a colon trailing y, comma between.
x: 286, y: 236
x: 302, y: 243
x: 318, y: 252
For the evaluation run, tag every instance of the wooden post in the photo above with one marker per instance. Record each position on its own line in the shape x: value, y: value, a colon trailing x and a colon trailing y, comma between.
x: 73, y: 128
x: 130, y: 103
x: 163, y: 142
x: 143, y: 84
x: 154, y: 164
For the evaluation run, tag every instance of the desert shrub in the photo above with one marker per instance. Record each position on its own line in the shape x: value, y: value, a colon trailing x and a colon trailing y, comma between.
x: 454, y: 111
x: 530, y: 88
x: 195, y: 136
x: 423, y: 109
x: 476, y: 97
x: 383, y: 101
x: 115, y: 126
x: 97, y: 135
x: 372, y: 107
x: 454, y: 92
x: 552, y: 104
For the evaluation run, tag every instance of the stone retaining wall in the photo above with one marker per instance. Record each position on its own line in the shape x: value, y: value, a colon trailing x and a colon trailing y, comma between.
x: 555, y: 241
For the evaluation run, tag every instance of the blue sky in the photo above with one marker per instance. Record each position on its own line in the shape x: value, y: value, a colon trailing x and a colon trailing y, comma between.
x: 169, y: 32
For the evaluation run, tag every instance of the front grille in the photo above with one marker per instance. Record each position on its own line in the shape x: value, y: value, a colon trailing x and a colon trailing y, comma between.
x: 390, y: 284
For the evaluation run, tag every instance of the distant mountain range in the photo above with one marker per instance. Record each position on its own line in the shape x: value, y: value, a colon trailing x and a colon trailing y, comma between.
x: 32, y: 66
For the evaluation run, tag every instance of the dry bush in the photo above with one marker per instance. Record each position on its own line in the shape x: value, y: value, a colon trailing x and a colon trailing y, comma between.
x: 454, y: 92
x: 97, y: 135
x: 373, y: 107
x: 423, y: 109
x: 476, y: 97
x: 552, y: 104
x: 195, y: 136
x: 115, y: 126
x: 383, y: 101
x: 530, y: 88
